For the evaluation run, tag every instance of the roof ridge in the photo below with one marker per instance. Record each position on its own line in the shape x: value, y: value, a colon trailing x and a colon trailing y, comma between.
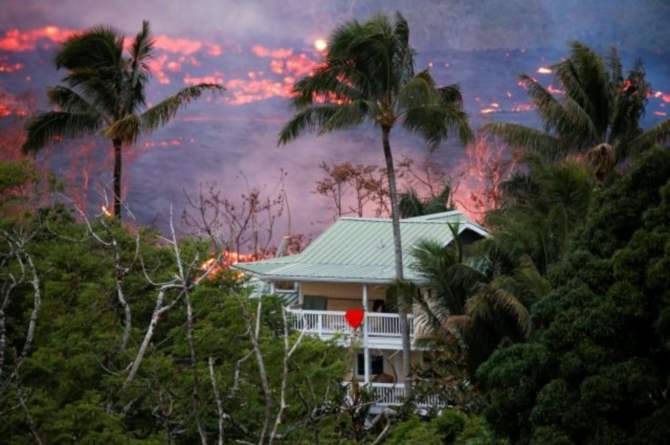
x: 404, y: 220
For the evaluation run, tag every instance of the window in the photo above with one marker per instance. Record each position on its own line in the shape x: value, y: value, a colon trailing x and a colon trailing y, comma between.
x: 314, y: 303
x: 376, y: 364
x: 285, y: 286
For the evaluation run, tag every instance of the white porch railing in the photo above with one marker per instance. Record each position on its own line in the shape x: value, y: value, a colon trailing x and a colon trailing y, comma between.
x: 328, y: 323
x: 393, y: 394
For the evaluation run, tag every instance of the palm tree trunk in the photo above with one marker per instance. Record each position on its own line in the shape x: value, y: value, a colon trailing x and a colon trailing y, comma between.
x: 117, y: 178
x: 397, y: 245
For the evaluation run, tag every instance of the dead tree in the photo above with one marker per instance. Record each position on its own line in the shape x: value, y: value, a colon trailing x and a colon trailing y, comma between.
x: 353, y: 187
x: 254, y: 330
x: 17, y: 242
x: 246, y: 223
x: 121, y: 270
x: 288, y: 352
x: 182, y: 283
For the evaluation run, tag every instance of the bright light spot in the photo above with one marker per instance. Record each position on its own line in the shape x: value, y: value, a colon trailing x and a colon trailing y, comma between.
x: 106, y: 211
x: 320, y: 44
x: 544, y: 70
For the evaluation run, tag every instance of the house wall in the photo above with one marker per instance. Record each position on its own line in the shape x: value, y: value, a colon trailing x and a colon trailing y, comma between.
x: 342, y: 296
x: 392, y: 364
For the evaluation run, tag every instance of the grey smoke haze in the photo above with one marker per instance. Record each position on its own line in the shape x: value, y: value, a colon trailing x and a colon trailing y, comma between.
x: 481, y: 44
x: 436, y: 24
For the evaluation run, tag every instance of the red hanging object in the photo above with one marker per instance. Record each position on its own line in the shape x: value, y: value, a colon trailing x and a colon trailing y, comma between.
x: 354, y: 317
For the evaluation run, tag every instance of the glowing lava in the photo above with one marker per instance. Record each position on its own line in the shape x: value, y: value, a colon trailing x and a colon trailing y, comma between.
x: 217, y: 265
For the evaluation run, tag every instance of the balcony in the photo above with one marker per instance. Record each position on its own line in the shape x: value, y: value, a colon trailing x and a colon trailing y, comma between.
x: 381, y: 329
x: 393, y: 394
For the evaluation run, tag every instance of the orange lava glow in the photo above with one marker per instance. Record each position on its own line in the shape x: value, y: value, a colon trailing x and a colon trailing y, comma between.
x: 177, y: 45
x: 15, y: 40
x: 493, y: 107
x: 162, y: 143
x: 227, y: 259
x: 553, y: 90
x: 479, y: 178
x: 10, y: 67
x: 244, y: 91
x: 15, y: 105
x: 523, y: 107
x: 216, y: 77
x: 280, y: 53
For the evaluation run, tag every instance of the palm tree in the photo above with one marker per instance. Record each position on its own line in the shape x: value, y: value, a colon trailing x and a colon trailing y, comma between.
x: 600, y: 111
x: 541, y: 207
x: 410, y: 204
x: 368, y: 75
x: 104, y: 93
x: 467, y: 298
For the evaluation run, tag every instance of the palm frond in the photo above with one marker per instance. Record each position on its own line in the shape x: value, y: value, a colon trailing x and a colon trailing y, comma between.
x: 98, y: 47
x: 629, y: 103
x: 490, y: 304
x: 402, y: 52
x: 142, y: 46
x: 140, y: 52
x: 336, y: 80
x: 163, y: 112
x: 101, y: 87
x: 71, y: 101
x: 401, y: 291
x: 615, y: 67
x: 451, y: 94
x: 345, y: 116
x: 410, y: 204
x: 593, y: 76
x: 435, y: 122
x: 48, y: 127
x: 308, y: 119
x: 451, y: 280
x: 658, y: 134
x: 530, y: 278
x: 568, y: 119
x: 368, y: 48
x: 524, y: 137
x: 126, y: 130
x: 432, y: 112
x: 569, y: 78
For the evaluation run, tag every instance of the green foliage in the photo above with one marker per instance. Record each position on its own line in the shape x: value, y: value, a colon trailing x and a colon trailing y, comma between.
x: 450, y: 427
x: 72, y: 379
x: 600, y: 106
x: 596, y: 367
x: 411, y: 205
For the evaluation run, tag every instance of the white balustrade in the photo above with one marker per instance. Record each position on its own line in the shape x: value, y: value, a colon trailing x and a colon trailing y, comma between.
x: 393, y: 394
x: 328, y: 323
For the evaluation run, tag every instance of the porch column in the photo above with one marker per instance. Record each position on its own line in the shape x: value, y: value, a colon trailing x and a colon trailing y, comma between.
x: 366, y: 352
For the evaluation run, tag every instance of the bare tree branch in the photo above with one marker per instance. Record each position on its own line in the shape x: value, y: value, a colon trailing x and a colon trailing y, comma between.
x: 288, y: 352
x: 221, y: 415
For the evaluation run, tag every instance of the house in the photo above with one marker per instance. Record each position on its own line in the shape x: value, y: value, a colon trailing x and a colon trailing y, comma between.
x: 350, y: 266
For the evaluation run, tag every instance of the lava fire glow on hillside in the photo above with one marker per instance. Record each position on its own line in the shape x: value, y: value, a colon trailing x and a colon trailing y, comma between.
x: 232, y: 138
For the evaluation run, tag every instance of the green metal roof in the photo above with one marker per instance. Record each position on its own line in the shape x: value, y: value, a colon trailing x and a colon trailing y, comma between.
x: 359, y: 250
